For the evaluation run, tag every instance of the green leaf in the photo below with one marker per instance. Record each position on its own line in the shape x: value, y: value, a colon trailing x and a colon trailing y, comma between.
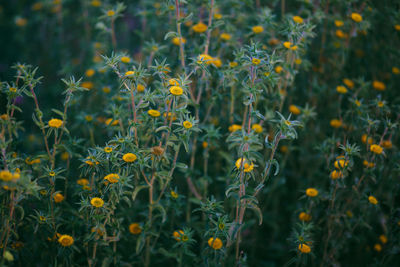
x: 136, y: 191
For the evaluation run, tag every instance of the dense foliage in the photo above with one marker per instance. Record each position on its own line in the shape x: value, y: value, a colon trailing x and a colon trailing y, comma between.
x: 199, y: 133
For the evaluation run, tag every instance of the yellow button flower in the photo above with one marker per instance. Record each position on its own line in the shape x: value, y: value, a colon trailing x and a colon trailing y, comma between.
x: 215, y: 243
x: 356, y: 17
x: 257, y: 29
x: 55, y: 123
x: 246, y: 166
x: 303, y: 248
x: 129, y: 157
x: 377, y: 149
x: 199, y: 27
x: 312, y: 192
x: 97, y: 202
x: 154, y: 113
x: 66, y: 240
x: 135, y: 229
x: 297, y: 19
x: 176, y: 90
x: 372, y: 200
x: 187, y: 124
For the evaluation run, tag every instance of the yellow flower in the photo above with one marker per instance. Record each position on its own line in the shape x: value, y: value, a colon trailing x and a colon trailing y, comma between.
x: 108, y: 149
x: 387, y: 144
x: 304, y: 217
x: 312, y: 192
x: 339, y: 23
x: 174, y: 194
x: 106, y: 89
x: 82, y: 181
x: 215, y: 243
x: 335, y: 123
x: 112, y: 178
x: 378, y: 85
x: 364, y: 138
x: 96, y: 3
x: 55, y: 123
x: 129, y: 72
x: 287, y: 44
x: 256, y: 61
x: 225, y: 36
x: 37, y: 6
x: 21, y: 22
x: 341, y: 89
x: 341, y: 163
x: 372, y: 200
x: 187, y: 124
x: 368, y: 164
x: 378, y: 247
x: 340, y: 34
x: 52, y: 173
x: 173, y: 82
x: 140, y: 88
x: 154, y: 113
x: 114, y: 122
x: 381, y: 104
x: 336, y: 174
x: 204, y: 58
x: 297, y: 61
x: 297, y: 19
x: 246, y: 166
x: 217, y: 16
x: 13, y: 89
x: 87, y: 85
x: 216, y: 62
x: 294, y: 110
x: 257, y: 128
x: 90, y: 72
x: 257, y: 29
x: 178, y: 41
x: 97, y: 202
x: 129, y: 157
x: 176, y: 90
x: 6, y: 176
x: 199, y: 27
x: 125, y: 59
x: 178, y: 235
x: 356, y: 17
x: 383, y: 239
x: 395, y: 71
x: 233, y: 64
x: 278, y: 69
x: 66, y: 240
x: 303, y: 248
x: 377, y: 149
x: 234, y: 127
x: 135, y: 229
x: 349, y: 83
x: 204, y: 144
x: 110, y: 13
x: 58, y: 198
x: 397, y: 27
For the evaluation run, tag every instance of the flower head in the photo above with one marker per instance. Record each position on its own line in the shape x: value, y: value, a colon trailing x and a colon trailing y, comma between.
x: 297, y: 19
x: 135, y: 228
x: 356, y: 17
x: 129, y: 157
x: 112, y: 178
x: 187, y: 124
x: 303, y: 248
x: 257, y: 29
x: 246, y: 166
x: 215, y: 243
x: 199, y: 27
x: 97, y: 202
x: 55, y: 123
x: 176, y: 90
x: 154, y: 113
x: 66, y: 240
x: 372, y: 200
x: 58, y: 198
x: 312, y: 192
x: 377, y: 149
